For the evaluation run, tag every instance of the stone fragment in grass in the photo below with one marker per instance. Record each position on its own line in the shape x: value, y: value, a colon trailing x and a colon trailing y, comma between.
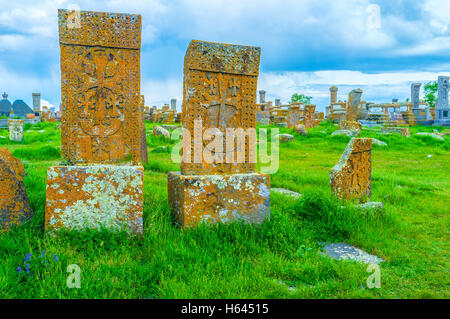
x: 378, y: 142
x: 301, y: 129
x: 372, y: 206
x: 344, y: 251
x: 169, y: 127
x: 346, y: 133
x: 350, y: 178
x: 286, y: 137
x: 282, y: 124
x: 286, y: 192
x: 14, y: 205
x: 158, y: 130
x: 433, y: 135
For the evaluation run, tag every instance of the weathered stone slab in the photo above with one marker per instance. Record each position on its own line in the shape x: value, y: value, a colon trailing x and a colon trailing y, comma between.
x: 100, y: 85
x: 354, y: 100
x: 433, y: 135
x: 294, y: 116
x: 158, y: 130
x: 404, y: 131
x: 344, y: 251
x: 309, y: 118
x: 301, y: 129
x: 15, y: 130
x: 95, y: 196
x: 350, y: 133
x: 284, y: 138
x: 219, y: 198
x: 350, y: 178
x: 14, y: 206
x: 378, y: 142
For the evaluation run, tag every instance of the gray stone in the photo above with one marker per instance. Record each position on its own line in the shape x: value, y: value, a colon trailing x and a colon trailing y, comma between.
x: 286, y: 192
x: 158, y: 130
x: 350, y: 133
x: 376, y: 206
x: 344, y: 251
x: 173, y: 104
x: 286, y: 137
x: 378, y: 142
x: 262, y: 97
x: 169, y: 127
x: 282, y: 124
x: 433, y: 135
x: 415, y: 90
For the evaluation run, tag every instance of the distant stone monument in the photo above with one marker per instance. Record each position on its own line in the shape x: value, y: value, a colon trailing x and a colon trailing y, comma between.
x: 354, y: 100
x: 309, y: 118
x: 294, y: 116
x: 173, y: 104
x: 14, y: 206
x: 15, y: 130
x: 277, y: 102
x: 218, y: 183
x: 102, y: 185
x: 333, y: 95
x: 350, y: 178
x: 262, y: 97
x: 442, y: 107
x: 36, y: 102
x: 415, y: 90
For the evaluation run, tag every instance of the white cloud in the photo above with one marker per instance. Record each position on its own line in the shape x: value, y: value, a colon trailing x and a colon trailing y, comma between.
x: 48, y: 104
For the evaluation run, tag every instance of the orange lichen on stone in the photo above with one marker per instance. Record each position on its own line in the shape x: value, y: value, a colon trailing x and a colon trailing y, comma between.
x: 100, y: 85
x: 404, y: 131
x: 14, y: 206
x: 220, y: 90
x: 350, y: 125
x: 294, y: 116
x: 219, y: 198
x: 353, y: 104
x: 350, y: 178
x: 309, y: 118
x: 143, y: 153
x: 95, y: 196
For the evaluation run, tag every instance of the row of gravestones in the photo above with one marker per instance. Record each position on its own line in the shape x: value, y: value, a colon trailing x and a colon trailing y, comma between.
x: 101, y: 136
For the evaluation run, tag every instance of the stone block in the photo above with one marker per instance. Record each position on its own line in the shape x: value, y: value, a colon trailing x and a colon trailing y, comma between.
x: 350, y: 178
x: 219, y: 198
x: 95, y: 196
x: 15, y: 130
x: 14, y: 206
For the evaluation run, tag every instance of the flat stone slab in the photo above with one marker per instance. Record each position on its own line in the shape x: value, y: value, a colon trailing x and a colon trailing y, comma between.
x: 286, y: 192
x: 350, y: 133
x: 378, y: 142
x: 377, y: 206
x: 344, y: 251
x: 433, y: 135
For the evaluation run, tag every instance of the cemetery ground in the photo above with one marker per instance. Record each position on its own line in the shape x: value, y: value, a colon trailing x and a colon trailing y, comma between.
x: 278, y: 259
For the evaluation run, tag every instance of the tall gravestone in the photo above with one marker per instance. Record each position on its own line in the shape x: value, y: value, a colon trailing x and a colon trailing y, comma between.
x: 442, y: 107
x: 309, y: 116
x: 218, y: 182
x: 262, y: 97
x: 415, y: 90
x: 173, y: 104
x: 101, y: 183
x: 36, y: 102
x: 294, y: 116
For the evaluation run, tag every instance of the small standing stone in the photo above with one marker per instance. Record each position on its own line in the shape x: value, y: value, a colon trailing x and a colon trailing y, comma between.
x: 351, y: 177
x: 15, y: 130
x: 14, y: 206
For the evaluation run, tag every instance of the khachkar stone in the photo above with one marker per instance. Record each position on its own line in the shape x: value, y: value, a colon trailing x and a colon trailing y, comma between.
x: 442, y: 107
x: 173, y: 104
x: 101, y: 128
x: 36, y: 102
x: 15, y: 130
x: 415, y: 90
x: 262, y: 97
x: 143, y: 153
x: 354, y: 99
x: 309, y: 117
x: 100, y: 81
x: 294, y: 116
x: 350, y: 178
x: 219, y: 93
x: 14, y: 206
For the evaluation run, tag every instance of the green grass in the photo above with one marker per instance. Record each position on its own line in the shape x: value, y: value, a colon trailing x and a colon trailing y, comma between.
x: 242, y: 261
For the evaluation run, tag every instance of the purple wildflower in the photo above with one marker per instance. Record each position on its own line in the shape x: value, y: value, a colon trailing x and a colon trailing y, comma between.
x: 19, y: 269
x: 28, y: 257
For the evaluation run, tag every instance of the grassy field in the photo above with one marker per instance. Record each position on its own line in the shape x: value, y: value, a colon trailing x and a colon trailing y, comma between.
x: 278, y: 259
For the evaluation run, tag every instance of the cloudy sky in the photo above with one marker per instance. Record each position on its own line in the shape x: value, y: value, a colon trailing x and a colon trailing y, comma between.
x: 379, y: 46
